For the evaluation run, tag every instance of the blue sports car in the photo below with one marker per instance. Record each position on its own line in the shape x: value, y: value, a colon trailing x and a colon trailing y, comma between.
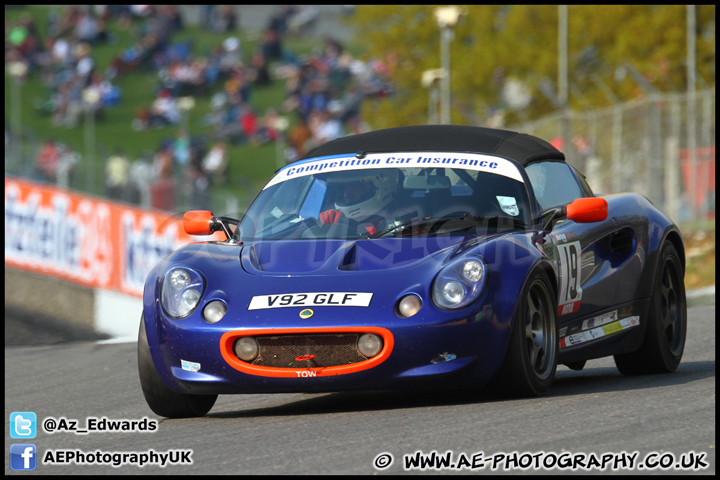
x: 422, y: 256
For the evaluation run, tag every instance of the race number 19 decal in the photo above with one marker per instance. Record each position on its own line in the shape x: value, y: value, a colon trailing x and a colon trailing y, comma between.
x: 570, y: 290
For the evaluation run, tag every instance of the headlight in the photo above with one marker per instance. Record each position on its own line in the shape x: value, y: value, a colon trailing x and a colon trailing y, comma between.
x: 181, y: 291
x: 459, y: 284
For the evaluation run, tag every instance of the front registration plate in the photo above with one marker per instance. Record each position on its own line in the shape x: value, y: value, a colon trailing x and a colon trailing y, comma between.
x: 312, y: 299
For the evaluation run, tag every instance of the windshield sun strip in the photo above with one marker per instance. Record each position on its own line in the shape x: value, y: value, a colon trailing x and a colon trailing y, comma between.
x: 466, y: 161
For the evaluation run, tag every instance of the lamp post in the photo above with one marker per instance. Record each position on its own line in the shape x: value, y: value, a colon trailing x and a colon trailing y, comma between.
x: 447, y: 17
x: 185, y: 104
x: 692, y: 121
x: 280, y: 124
x: 17, y: 71
x: 563, y: 88
x: 91, y: 97
x: 430, y: 80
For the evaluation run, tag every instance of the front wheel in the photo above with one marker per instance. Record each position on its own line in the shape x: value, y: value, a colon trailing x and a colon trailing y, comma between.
x: 532, y: 355
x: 159, y: 397
x: 664, y: 341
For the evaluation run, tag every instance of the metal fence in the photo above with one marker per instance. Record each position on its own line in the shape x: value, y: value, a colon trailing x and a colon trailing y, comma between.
x: 86, y: 174
x: 662, y: 146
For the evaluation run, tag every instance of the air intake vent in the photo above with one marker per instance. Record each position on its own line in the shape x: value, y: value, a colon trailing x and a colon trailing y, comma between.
x: 622, y: 241
x: 326, y: 350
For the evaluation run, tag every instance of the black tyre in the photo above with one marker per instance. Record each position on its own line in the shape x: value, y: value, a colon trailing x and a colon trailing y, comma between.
x: 158, y: 396
x: 664, y: 341
x: 532, y: 355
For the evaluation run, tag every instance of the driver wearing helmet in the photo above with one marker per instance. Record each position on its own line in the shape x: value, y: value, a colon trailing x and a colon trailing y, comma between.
x: 362, y: 197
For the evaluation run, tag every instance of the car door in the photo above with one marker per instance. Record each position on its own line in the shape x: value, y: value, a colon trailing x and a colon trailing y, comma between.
x: 577, y: 247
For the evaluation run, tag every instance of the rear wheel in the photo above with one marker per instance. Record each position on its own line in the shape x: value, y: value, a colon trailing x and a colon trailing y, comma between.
x: 664, y: 342
x: 159, y: 397
x: 531, y: 358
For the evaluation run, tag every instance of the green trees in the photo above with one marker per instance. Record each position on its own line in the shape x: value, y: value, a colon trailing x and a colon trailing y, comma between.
x: 504, y: 58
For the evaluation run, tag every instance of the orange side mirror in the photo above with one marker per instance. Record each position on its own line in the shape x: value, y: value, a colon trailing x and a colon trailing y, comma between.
x: 198, y: 222
x: 587, y: 210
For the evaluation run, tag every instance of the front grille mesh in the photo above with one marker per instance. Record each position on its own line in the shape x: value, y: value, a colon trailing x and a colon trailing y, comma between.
x: 280, y: 351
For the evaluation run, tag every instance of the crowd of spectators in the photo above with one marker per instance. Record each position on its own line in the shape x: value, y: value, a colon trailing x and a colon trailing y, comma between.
x: 64, y: 61
x: 324, y: 90
x: 54, y: 163
x: 182, y: 167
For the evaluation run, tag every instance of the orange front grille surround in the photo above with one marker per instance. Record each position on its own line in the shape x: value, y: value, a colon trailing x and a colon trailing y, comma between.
x: 228, y: 340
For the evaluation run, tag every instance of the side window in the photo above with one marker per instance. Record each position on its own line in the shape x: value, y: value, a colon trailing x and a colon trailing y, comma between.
x: 554, y: 184
x: 583, y: 183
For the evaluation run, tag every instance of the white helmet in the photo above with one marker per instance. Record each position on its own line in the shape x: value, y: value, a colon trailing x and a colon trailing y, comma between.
x: 374, y: 190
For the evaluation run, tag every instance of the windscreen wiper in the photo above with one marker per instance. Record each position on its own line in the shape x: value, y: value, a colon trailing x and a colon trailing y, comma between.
x: 401, y: 225
x: 463, y: 217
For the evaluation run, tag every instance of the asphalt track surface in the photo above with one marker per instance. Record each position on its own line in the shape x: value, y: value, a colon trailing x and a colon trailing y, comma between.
x: 596, y: 411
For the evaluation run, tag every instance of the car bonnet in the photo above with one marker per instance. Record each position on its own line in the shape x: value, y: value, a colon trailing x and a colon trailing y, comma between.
x: 328, y: 256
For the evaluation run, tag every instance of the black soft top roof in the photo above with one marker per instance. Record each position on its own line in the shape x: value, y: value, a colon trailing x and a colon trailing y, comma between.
x: 520, y: 147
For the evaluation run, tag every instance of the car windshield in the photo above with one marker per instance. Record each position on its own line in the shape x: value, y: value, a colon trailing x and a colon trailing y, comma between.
x: 389, y: 195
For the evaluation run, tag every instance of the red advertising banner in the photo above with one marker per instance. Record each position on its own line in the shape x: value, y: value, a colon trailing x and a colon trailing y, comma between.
x: 86, y: 240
